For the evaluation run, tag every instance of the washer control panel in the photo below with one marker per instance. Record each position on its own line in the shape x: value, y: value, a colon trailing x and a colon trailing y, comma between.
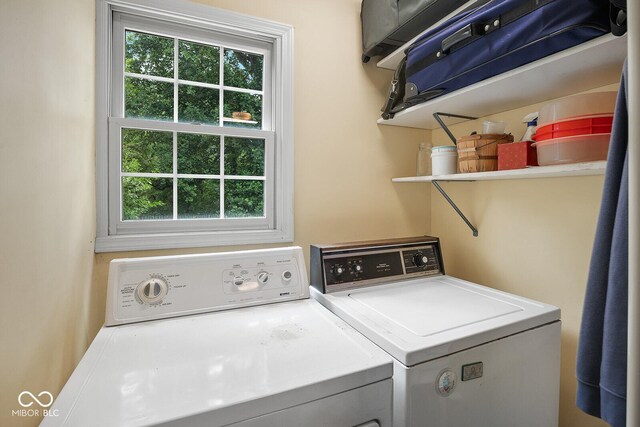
x: 247, y: 279
x: 353, y: 265
x: 150, y: 288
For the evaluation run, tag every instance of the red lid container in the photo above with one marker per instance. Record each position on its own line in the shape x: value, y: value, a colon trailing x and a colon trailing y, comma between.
x: 597, y: 124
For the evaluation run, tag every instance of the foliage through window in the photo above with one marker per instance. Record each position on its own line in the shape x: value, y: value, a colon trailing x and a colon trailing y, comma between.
x: 192, y: 127
x: 209, y: 184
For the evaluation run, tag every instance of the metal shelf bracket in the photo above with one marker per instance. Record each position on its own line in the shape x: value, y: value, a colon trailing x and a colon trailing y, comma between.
x: 444, y: 127
x: 453, y: 205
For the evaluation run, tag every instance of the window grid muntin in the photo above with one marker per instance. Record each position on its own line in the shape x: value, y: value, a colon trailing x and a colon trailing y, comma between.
x: 176, y: 73
x: 222, y: 154
x: 175, y: 175
x: 222, y: 48
x: 221, y: 113
x: 194, y: 83
x: 249, y: 43
x: 152, y: 125
x: 176, y: 81
x: 275, y: 39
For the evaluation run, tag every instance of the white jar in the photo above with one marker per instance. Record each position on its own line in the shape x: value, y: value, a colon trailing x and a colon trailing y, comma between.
x: 444, y: 160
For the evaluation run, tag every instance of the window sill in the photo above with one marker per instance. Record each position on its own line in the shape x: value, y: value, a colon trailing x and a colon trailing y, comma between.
x: 138, y: 242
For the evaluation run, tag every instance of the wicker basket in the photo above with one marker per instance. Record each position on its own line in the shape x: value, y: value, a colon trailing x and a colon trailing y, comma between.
x: 479, y: 152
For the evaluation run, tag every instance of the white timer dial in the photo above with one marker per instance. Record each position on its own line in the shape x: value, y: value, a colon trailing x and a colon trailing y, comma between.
x: 152, y: 291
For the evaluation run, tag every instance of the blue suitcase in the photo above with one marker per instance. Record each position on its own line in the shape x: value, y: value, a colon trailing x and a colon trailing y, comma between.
x: 494, y: 38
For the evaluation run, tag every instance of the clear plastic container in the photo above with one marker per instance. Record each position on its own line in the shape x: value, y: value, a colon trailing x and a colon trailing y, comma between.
x: 573, y: 149
x: 444, y: 160
x: 585, y: 104
x: 423, y: 163
x: 489, y: 126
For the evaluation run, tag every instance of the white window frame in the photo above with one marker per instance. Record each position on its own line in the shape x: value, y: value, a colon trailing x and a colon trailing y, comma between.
x: 112, y: 234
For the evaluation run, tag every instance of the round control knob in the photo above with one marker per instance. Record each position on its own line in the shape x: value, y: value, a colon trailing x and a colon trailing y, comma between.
x: 152, y: 291
x: 238, y: 281
x: 420, y: 260
x: 286, y: 276
x: 356, y: 268
x: 337, y: 270
x: 262, y: 277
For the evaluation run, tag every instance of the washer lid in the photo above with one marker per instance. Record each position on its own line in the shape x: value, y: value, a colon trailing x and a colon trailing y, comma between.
x: 217, y: 368
x: 423, y: 319
x: 434, y: 309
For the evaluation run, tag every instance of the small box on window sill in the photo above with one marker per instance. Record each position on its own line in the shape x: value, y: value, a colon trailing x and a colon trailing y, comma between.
x: 517, y: 155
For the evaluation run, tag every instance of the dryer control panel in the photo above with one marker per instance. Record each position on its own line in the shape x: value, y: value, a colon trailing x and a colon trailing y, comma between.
x: 353, y: 265
x: 151, y: 288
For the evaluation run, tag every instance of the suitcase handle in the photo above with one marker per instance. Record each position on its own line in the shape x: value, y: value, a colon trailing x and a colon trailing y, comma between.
x: 465, y: 33
x: 478, y: 29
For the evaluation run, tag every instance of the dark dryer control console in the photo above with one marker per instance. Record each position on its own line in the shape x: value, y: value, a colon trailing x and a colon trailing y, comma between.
x: 354, y: 265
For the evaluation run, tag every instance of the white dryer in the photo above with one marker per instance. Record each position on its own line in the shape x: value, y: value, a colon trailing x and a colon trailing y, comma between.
x: 464, y: 355
x: 223, y: 339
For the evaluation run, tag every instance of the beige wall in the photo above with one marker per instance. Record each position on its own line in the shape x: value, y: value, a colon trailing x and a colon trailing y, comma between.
x: 343, y: 160
x: 535, y: 235
x: 53, y: 284
x: 47, y: 191
x: 535, y: 238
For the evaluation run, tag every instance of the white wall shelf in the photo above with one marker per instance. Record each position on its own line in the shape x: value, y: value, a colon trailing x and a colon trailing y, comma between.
x: 555, y: 171
x: 589, y: 65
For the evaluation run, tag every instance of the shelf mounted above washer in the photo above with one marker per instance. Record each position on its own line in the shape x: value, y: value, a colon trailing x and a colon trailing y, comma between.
x: 435, y: 183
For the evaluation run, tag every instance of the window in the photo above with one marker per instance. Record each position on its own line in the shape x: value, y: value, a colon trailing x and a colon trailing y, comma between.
x: 194, y: 131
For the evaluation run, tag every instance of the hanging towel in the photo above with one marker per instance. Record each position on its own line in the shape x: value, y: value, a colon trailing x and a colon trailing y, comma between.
x: 602, y: 347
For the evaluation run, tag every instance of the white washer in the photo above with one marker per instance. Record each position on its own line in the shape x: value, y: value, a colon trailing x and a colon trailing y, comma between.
x: 464, y: 355
x: 223, y: 339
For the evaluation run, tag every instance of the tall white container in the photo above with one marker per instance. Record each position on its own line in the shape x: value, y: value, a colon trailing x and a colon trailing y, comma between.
x: 444, y: 160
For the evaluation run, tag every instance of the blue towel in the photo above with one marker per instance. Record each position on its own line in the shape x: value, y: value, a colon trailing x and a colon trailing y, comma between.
x: 602, y: 348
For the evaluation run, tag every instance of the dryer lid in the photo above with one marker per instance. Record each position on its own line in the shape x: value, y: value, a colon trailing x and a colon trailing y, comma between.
x: 436, y: 308
x: 423, y: 319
